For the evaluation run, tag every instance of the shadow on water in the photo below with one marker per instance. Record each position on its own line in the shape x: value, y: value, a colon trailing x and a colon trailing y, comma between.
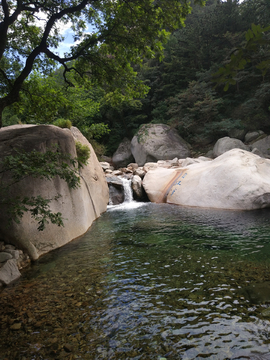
x: 147, y: 281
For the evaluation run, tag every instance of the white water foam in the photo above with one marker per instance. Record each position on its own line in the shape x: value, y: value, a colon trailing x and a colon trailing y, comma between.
x: 128, y: 203
x: 126, y: 206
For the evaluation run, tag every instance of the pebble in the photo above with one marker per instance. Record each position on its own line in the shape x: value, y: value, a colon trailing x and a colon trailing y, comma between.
x: 9, y: 247
x: 16, y: 326
x: 68, y: 347
x: 266, y: 312
x: 11, y: 261
x: 4, y: 256
x: 14, y: 253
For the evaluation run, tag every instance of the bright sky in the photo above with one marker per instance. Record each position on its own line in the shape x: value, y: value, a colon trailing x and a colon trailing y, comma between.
x: 68, y: 35
x: 67, y: 32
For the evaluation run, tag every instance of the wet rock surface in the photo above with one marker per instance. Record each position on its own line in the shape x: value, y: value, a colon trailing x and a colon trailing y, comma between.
x: 47, y: 316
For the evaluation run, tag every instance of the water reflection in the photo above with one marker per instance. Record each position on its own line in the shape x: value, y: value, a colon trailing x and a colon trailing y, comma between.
x: 153, y: 281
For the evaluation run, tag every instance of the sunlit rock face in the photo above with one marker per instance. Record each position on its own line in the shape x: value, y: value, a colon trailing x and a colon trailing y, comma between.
x: 79, y: 207
x: 226, y: 143
x: 235, y: 180
x: 155, y: 142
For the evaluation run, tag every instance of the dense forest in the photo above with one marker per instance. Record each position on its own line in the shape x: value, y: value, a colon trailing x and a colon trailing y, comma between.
x: 212, y: 81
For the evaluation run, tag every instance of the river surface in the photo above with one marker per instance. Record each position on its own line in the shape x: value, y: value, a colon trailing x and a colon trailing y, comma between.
x: 148, y: 281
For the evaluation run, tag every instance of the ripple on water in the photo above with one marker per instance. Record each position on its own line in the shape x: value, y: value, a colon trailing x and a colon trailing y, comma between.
x: 148, y: 282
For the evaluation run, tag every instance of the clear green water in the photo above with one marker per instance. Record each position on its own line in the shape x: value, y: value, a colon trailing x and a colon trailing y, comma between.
x: 151, y: 282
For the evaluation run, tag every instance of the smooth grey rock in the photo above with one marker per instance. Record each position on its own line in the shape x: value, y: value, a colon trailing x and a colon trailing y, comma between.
x: 225, y: 144
x: 237, y: 134
x: 105, y: 165
x: 14, y: 253
x: 257, y: 152
x: 140, y: 172
x: 79, y: 207
x: 117, y: 172
x: 115, y: 181
x: 164, y: 163
x: 117, y: 195
x: 123, y: 155
x: 155, y: 142
x: 133, y: 166
x: 237, y: 180
x: 262, y: 145
x: 116, y: 190
x: 9, y: 247
x: 150, y: 166
x: 210, y: 154
x: 4, y: 256
x: 136, y: 185
x: 253, y: 135
x: 9, y: 272
x: 189, y: 161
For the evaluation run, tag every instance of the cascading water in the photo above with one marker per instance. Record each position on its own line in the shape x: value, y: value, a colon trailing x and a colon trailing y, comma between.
x: 129, y: 202
x: 128, y: 194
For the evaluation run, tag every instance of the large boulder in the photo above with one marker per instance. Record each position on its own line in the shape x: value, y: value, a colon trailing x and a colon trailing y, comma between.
x: 226, y: 143
x: 237, y: 134
x: 235, y: 180
x: 253, y: 135
x: 123, y: 156
x: 79, y: 207
x: 263, y: 146
x: 155, y: 142
x: 136, y: 184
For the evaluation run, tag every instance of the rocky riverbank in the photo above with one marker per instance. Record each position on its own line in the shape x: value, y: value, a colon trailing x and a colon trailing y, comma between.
x: 12, y: 260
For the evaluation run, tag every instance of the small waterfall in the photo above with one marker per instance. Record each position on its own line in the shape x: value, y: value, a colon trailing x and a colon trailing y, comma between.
x: 128, y: 202
x: 128, y: 194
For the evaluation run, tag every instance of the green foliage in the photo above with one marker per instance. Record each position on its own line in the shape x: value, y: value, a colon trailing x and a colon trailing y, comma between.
x: 124, y: 33
x: 38, y: 207
x: 83, y: 153
x: 182, y: 93
x: 254, y: 52
x: 63, y: 123
x: 99, y: 149
x: 23, y: 165
x: 196, y: 113
x: 95, y: 130
x: 40, y: 100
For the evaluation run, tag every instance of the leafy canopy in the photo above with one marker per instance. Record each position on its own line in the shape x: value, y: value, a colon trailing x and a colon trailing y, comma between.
x: 123, y: 33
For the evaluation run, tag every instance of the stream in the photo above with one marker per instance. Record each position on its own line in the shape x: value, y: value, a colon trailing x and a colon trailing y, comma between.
x: 147, y: 281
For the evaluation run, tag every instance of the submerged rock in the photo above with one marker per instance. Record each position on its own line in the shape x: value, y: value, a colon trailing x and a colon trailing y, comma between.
x: 235, y: 180
x: 258, y: 294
